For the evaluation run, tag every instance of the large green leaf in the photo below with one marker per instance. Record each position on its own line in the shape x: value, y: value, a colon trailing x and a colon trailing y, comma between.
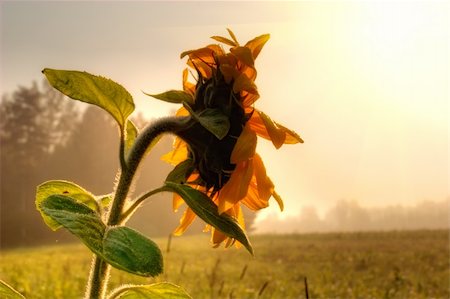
x: 214, y: 120
x: 204, y: 208
x: 63, y: 188
x: 92, y: 89
x: 181, y: 172
x: 128, y: 250
x: 173, y: 96
x: 163, y: 290
x: 119, y: 246
x: 76, y: 217
x: 7, y: 292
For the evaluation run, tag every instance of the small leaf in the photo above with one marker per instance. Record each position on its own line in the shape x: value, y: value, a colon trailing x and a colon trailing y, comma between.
x: 105, y: 200
x: 204, y: 208
x: 213, y: 120
x: 66, y: 188
x: 131, y: 134
x: 8, y: 292
x: 153, y: 291
x: 76, y: 217
x: 181, y: 172
x: 100, y: 91
x: 128, y: 250
x: 173, y: 96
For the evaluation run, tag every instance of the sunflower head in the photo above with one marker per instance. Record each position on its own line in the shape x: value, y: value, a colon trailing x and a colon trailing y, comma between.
x: 219, y: 142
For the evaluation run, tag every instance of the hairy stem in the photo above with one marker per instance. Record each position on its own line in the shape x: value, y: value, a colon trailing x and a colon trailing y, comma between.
x: 98, y: 278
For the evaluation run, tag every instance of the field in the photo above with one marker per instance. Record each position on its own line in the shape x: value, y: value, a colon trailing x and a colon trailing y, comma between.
x: 409, y: 264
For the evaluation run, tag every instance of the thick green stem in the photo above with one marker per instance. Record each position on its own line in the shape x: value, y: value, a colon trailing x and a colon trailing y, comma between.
x: 98, y: 278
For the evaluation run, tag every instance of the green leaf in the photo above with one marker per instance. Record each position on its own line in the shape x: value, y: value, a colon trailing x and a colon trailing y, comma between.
x: 204, y: 208
x: 213, y: 120
x: 100, y: 91
x: 181, y: 172
x: 128, y: 250
x: 66, y: 188
x: 173, y: 96
x: 163, y: 290
x: 105, y: 200
x: 76, y: 217
x: 8, y: 292
x: 131, y: 134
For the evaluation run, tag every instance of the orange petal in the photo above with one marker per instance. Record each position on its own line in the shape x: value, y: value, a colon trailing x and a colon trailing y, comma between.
x: 252, y: 200
x: 233, y: 36
x: 263, y: 182
x: 185, y: 221
x: 237, y: 186
x: 248, y: 99
x: 217, y: 237
x: 268, y: 129
x: 245, y: 146
x: 187, y: 86
x: 244, y: 54
x: 177, y: 201
x: 256, y: 44
x: 178, y: 154
x: 279, y: 200
x: 224, y: 40
x: 243, y: 83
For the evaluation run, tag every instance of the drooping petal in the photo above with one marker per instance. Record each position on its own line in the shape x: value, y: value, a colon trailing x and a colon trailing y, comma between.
x: 268, y: 129
x: 245, y: 146
x: 279, y: 200
x: 256, y: 44
x: 177, y: 201
x: 252, y: 200
x: 185, y: 221
x: 178, y: 154
x: 217, y: 237
x: 237, y: 186
x: 263, y: 182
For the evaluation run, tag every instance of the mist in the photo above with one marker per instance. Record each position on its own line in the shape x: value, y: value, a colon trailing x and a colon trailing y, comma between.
x: 350, y: 216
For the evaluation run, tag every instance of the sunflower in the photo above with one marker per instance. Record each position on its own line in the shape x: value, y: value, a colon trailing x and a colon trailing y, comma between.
x: 225, y: 166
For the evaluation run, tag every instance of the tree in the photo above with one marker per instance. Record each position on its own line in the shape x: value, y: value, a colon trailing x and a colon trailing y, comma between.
x: 33, y: 121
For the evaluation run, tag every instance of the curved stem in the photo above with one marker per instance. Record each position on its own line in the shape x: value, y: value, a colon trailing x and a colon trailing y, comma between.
x: 137, y: 202
x: 98, y: 278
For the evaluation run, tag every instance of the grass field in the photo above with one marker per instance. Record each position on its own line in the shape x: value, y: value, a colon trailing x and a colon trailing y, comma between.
x: 409, y: 264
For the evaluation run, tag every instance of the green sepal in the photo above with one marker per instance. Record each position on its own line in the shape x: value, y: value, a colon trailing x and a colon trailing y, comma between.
x: 8, y: 292
x: 128, y: 250
x: 66, y: 188
x: 173, y: 96
x: 100, y: 91
x: 163, y: 290
x: 204, y: 208
x: 214, y: 120
x: 76, y: 217
x: 181, y: 172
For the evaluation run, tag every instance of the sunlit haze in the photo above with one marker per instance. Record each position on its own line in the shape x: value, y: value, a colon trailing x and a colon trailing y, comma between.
x: 364, y: 84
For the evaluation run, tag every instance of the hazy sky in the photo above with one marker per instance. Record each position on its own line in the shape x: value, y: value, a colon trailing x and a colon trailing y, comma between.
x: 365, y: 84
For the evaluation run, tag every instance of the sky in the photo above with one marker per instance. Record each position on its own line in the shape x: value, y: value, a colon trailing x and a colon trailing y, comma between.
x: 364, y: 83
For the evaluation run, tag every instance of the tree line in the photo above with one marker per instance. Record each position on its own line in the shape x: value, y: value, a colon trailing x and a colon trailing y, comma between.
x: 45, y: 136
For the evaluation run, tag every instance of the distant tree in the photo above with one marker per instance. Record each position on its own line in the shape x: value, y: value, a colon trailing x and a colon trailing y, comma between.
x: 33, y: 121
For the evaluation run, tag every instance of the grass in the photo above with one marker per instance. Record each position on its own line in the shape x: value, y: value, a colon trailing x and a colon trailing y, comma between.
x: 408, y: 264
